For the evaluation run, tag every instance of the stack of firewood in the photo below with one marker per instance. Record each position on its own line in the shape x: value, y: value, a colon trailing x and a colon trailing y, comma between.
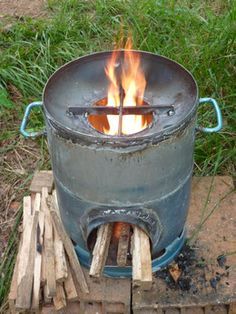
x: 47, y: 269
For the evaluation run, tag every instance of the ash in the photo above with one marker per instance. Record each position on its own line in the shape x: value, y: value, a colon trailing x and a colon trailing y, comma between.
x: 192, y: 272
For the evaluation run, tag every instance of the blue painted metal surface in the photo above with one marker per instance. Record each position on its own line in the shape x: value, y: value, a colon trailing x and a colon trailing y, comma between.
x: 214, y: 103
x: 25, y: 119
x: 171, y: 251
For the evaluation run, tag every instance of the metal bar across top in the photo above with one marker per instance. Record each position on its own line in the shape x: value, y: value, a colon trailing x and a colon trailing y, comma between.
x: 128, y: 110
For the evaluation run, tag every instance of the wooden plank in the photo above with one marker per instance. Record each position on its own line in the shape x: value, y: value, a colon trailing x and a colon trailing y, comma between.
x: 215, y: 309
x: 43, y: 178
x: 172, y: 311
x: 60, y: 259
x: 38, y: 261
x: 232, y: 308
x: 59, y: 300
x: 141, y: 260
x: 49, y: 248
x: 123, y: 245
x: 27, y: 253
x: 69, y: 248
x: 69, y: 285
x: 100, y: 250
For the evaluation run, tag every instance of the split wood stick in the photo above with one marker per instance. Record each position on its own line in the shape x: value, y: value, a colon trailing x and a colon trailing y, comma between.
x: 69, y: 248
x: 27, y: 256
x: 123, y: 245
x: 146, y: 261
x: 60, y: 299
x: 49, y: 247
x: 38, y: 261
x: 100, y: 250
x: 27, y: 210
x: 13, y: 288
x: 69, y: 285
x: 141, y: 260
x: 60, y: 259
x: 43, y: 268
x: 46, y: 298
x: 136, y: 256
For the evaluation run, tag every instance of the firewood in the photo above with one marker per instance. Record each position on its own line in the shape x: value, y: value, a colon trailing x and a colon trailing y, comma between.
x: 13, y: 288
x: 100, y: 250
x: 69, y: 285
x: 146, y: 262
x: 38, y: 261
x: 27, y: 214
x: 43, y: 178
x: 60, y: 299
x: 59, y: 251
x: 69, y: 248
x: 49, y: 248
x: 43, y: 268
x: 141, y: 260
x: 123, y: 245
x: 27, y: 255
x: 60, y: 259
x: 136, y: 256
x: 46, y: 298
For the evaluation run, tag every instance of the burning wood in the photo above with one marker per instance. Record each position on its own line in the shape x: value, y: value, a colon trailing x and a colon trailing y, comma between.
x: 123, y: 245
x: 141, y: 255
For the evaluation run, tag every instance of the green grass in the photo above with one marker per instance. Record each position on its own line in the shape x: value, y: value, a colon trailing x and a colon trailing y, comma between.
x: 198, y: 34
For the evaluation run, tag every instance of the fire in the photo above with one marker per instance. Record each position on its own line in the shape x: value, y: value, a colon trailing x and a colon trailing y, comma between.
x: 131, y: 83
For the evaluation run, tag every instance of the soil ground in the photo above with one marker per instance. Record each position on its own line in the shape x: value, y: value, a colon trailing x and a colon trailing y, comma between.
x: 19, y: 8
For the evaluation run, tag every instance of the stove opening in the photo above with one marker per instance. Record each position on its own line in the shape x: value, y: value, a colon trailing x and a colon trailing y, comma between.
x: 109, y: 124
x: 121, y: 236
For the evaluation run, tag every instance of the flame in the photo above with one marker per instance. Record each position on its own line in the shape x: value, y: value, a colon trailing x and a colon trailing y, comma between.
x: 133, y: 82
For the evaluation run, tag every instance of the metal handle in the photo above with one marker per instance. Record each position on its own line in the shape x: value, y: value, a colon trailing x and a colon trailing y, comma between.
x: 214, y: 103
x: 25, y: 119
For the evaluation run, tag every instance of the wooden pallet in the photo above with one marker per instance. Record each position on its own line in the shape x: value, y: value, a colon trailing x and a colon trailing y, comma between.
x: 217, y: 236
x: 217, y: 198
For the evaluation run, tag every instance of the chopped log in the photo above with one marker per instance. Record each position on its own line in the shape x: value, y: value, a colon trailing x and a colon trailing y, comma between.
x: 49, y: 248
x: 27, y: 256
x: 123, y: 245
x: 69, y: 286
x: 60, y: 299
x: 60, y: 259
x: 69, y: 248
x: 43, y: 178
x: 100, y: 250
x: 141, y: 261
x: 38, y: 261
